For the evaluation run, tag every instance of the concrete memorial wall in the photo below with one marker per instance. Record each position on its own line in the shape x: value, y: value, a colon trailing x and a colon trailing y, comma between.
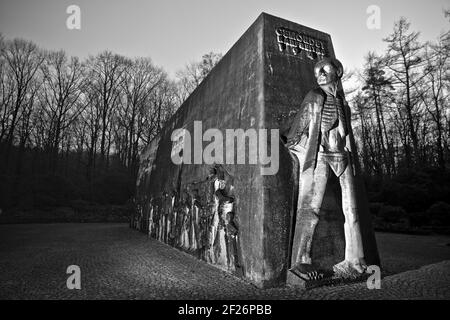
x: 233, y: 204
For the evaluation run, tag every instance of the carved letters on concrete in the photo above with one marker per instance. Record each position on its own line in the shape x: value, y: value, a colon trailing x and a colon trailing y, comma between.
x: 299, y: 42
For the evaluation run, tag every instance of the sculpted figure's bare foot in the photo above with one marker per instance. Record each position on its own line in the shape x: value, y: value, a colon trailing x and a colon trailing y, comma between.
x: 308, y: 272
x: 350, y: 268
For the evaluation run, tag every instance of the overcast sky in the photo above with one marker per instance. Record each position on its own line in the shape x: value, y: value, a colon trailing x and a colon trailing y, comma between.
x: 174, y: 33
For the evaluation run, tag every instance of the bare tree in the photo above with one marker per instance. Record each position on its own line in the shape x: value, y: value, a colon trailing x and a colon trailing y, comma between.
x: 8, y: 89
x: 22, y: 60
x: 378, y: 87
x: 404, y: 60
x: 433, y: 91
x: 63, y: 80
x: 193, y: 74
x: 141, y: 80
x: 105, y: 72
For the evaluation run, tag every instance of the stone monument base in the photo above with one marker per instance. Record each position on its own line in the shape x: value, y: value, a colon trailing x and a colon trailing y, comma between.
x: 295, y: 281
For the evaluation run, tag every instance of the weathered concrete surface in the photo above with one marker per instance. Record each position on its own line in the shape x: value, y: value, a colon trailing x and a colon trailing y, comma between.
x: 230, y: 97
x: 254, y: 86
x: 119, y: 263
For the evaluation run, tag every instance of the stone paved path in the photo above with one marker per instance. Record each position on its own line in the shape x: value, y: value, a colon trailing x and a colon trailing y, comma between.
x: 119, y: 263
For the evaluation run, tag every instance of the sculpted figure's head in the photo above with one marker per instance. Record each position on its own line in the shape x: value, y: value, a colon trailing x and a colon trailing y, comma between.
x: 328, y: 71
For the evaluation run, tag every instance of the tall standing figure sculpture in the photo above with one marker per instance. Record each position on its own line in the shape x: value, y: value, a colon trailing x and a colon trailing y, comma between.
x: 320, y: 137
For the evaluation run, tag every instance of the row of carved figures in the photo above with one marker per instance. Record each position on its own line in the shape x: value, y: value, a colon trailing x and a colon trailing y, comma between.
x: 200, y: 220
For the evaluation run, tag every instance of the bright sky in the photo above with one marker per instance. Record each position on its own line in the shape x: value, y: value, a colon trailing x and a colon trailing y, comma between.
x: 174, y: 33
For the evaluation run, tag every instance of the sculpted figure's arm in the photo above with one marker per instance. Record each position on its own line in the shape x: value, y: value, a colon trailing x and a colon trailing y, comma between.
x: 348, y: 120
x: 349, y: 142
x: 301, y: 124
x: 291, y: 136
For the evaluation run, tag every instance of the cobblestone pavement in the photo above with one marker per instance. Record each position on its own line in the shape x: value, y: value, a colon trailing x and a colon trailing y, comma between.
x: 119, y: 263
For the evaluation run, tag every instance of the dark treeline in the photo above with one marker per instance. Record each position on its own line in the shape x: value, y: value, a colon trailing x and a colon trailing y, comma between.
x: 401, y: 118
